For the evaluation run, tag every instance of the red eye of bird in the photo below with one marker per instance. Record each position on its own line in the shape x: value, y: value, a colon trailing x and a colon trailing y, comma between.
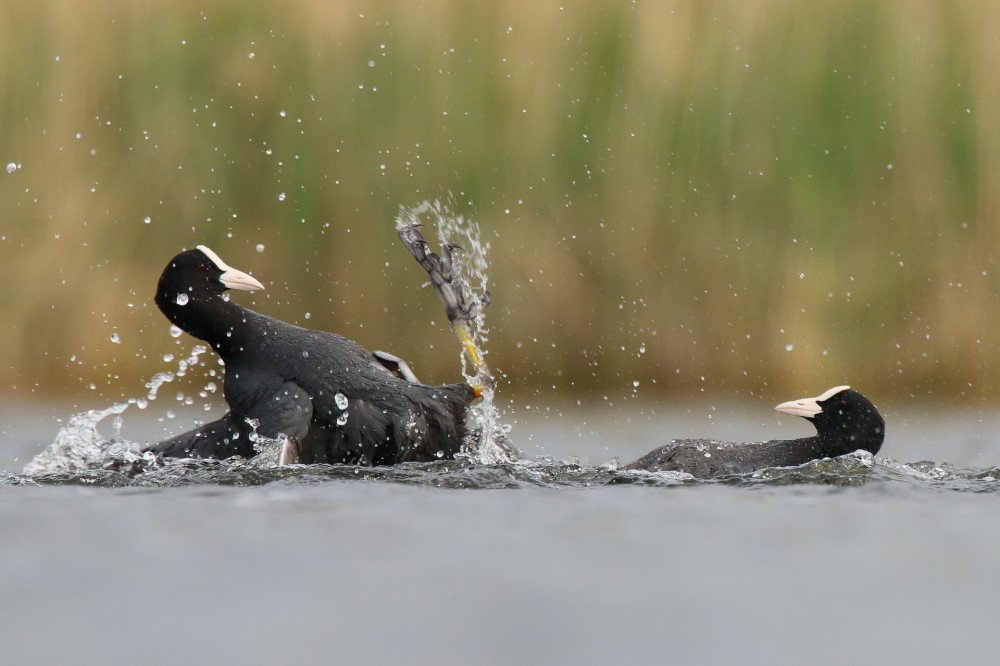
x: 202, y: 268
x: 843, y: 404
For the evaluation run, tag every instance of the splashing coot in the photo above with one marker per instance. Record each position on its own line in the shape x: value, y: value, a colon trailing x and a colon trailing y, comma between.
x: 331, y: 399
x: 845, y: 422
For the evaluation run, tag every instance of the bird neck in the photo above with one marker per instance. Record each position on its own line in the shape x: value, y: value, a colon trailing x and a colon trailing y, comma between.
x: 790, y: 452
x: 218, y: 322
x: 840, y: 443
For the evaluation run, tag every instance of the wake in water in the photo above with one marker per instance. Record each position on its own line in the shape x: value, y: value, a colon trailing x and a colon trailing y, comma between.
x: 858, y: 470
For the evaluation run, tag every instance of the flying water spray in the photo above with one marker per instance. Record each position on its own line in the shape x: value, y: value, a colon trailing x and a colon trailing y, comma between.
x: 459, y: 276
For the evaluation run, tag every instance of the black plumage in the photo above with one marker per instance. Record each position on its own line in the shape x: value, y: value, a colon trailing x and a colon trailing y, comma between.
x: 330, y: 398
x: 845, y: 422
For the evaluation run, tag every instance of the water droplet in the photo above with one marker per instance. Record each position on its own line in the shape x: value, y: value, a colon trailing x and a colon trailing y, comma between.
x: 342, y: 419
x: 440, y: 454
x: 305, y: 354
x: 260, y: 248
x: 147, y: 219
x: 281, y: 197
x: 115, y: 339
x: 167, y: 358
x: 307, y: 315
x: 182, y: 299
x: 341, y: 401
x: 175, y: 332
x: 11, y: 167
x: 790, y: 346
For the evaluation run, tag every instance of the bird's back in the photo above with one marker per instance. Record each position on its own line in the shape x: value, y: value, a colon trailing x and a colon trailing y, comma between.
x: 704, y: 458
x: 361, y: 412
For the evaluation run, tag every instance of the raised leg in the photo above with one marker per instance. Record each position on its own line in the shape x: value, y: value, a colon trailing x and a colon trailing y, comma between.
x: 450, y: 288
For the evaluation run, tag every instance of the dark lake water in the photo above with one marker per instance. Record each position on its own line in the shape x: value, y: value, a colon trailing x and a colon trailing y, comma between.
x: 554, y: 559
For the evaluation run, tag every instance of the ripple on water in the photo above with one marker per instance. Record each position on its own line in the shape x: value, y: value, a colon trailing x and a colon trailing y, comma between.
x: 81, y: 456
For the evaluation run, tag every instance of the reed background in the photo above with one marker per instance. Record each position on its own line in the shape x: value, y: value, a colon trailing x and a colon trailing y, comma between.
x: 754, y: 197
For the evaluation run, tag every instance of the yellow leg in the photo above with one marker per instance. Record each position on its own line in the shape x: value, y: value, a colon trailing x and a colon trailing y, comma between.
x: 451, y: 294
x: 464, y: 334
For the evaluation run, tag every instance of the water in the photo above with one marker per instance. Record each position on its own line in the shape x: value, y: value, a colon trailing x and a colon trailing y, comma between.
x: 540, y: 561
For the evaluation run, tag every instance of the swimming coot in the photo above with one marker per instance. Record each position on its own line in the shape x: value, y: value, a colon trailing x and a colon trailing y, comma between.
x: 845, y: 421
x: 332, y: 400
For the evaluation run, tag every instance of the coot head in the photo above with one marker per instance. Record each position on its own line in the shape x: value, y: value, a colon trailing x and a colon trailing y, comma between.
x: 200, y: 272
x: 195, y: 279
x: 842, y: 415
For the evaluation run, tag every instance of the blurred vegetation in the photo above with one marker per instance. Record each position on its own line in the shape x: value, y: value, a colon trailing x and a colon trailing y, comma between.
x: 760, y: 196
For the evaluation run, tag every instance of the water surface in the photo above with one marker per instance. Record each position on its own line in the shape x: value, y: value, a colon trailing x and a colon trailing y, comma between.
x: 554, y: 559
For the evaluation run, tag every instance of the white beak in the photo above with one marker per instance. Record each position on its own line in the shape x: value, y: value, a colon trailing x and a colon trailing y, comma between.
x: 232, y: 278
x: 808, y: 407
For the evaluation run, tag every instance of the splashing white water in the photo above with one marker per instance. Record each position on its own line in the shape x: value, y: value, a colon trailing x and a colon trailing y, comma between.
x: 79, y: 446
x: 161, y: 378
x: 470, y: 273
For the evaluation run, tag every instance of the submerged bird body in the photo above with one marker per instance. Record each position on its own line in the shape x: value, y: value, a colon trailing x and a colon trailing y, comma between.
x: 333, y: 400
x: 845, y: 422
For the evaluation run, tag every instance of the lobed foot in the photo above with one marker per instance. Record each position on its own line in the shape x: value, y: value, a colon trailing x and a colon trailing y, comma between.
x: 450, y: 288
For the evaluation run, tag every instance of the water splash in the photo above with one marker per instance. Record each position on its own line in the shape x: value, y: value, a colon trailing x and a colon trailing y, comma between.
x: 268, y: 449
x: 470, y: 274
x: 165, y: 377
x: 79, y: 447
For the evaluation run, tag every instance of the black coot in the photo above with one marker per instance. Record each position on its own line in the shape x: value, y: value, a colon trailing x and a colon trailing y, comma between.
x: 331, y: 399
x: 845, y: 421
